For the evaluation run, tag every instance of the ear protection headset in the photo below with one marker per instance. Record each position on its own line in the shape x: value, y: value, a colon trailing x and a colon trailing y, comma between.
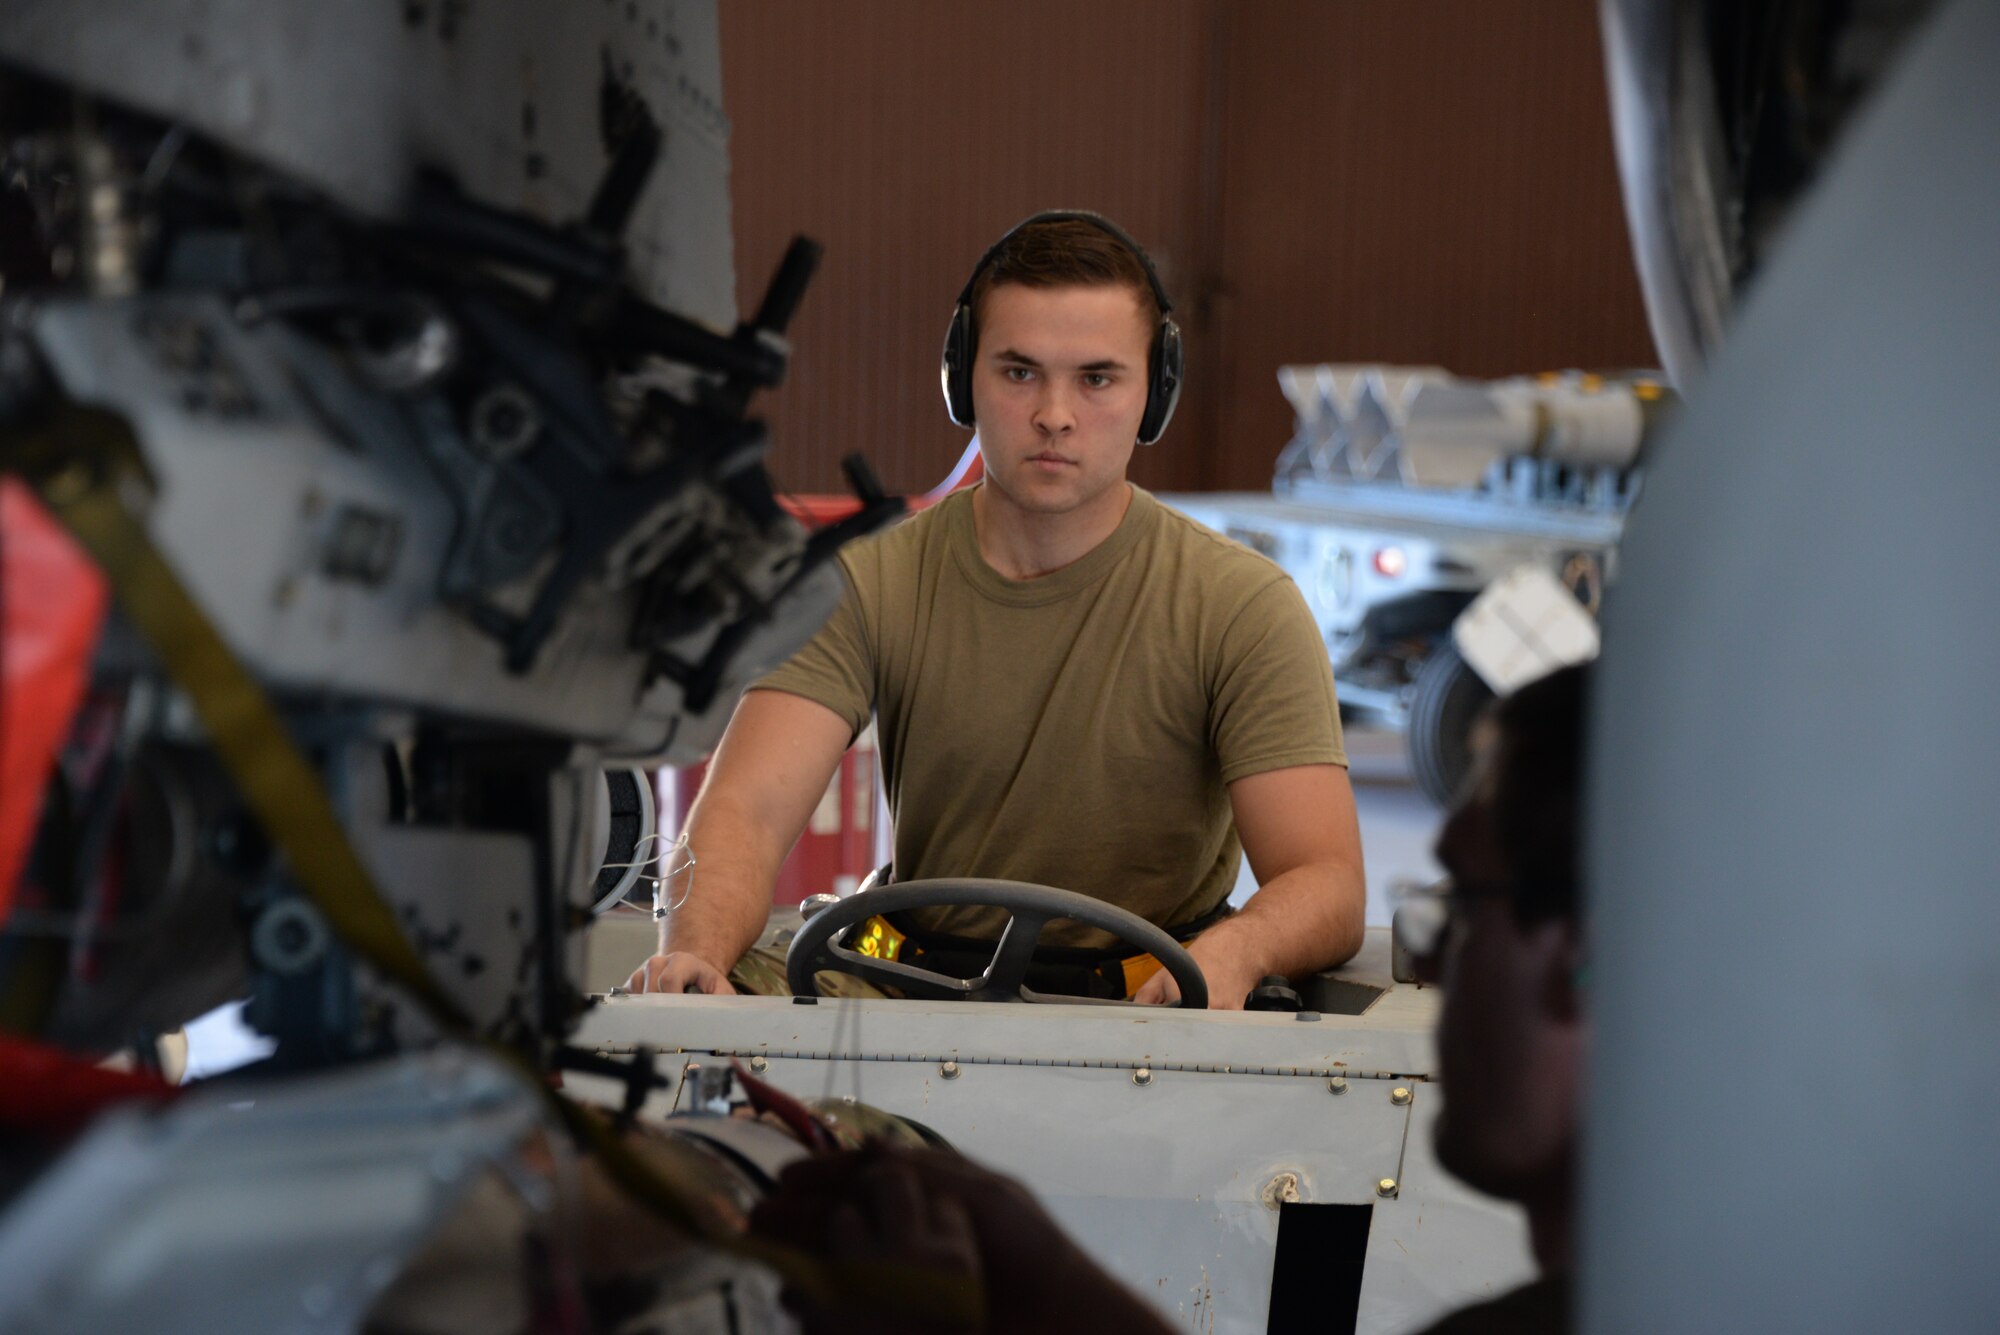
x: 1163, y: 363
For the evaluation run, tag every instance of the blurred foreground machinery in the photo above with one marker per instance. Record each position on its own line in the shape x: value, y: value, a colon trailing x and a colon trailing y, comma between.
x: 382, y: 362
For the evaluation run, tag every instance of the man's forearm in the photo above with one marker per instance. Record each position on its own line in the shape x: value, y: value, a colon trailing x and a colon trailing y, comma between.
x: 729, y: 900
x: 1308, y: 919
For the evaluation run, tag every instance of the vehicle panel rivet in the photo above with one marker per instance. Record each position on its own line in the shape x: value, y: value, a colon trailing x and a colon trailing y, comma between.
x: 1399, y: 1096
x: 1386, y: 1187
x: 1143, y: 1076
x: 1282, y: 1190
x: 949, y: 1070
x: 759, y: 1065
x: 1337, y: 1085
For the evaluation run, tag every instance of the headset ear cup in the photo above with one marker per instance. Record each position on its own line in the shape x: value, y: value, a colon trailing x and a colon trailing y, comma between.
x: 955, y: 367
x: 1163, y: 383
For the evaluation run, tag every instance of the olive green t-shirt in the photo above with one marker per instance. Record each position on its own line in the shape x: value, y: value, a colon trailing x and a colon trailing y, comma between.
x: 1080, y: 729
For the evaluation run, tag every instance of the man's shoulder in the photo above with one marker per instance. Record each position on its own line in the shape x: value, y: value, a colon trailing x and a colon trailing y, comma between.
x: 1215, y: 560
x: 919, y: 538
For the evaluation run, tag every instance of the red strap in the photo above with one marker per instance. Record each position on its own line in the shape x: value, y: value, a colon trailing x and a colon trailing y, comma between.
x: 46, y: 1090
x: 767, y: 1098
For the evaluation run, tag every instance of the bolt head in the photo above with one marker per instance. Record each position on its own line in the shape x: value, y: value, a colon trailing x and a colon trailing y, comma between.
x: 759, y: 1065
x: 1337, y: 1085
x: 949, y: 1070
x: 1143, y: 1076
x: 1386, y: 1187
x: 1399, y: 1096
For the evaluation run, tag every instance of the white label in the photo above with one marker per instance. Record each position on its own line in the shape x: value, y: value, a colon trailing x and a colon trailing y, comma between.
x: 1525, y: 626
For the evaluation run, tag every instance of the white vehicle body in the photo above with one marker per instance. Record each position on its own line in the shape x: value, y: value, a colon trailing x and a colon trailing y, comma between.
x: 1405, y: 493
x: 1215, y: 1161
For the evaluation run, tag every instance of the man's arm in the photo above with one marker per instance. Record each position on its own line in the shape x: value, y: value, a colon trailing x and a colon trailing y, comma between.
x: 775, y: 760
x: 1303, y: 840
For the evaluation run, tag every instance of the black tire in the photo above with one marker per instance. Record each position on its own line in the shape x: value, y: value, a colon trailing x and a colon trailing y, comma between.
x: 1447, y: 698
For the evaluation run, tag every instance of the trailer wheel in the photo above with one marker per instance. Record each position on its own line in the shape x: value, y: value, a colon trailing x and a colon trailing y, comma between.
x: 1448, y: 696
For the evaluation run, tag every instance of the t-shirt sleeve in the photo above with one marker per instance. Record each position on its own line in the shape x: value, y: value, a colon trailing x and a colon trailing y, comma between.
x: 1273, y: 702
x: 836, y: 667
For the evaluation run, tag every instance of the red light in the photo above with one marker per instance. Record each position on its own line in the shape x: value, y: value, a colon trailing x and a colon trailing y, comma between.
x: 1390, y: 562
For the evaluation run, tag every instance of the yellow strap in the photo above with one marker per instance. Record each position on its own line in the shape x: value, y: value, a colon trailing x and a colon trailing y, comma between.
x: 1138, y: 968
x: 86, y: 493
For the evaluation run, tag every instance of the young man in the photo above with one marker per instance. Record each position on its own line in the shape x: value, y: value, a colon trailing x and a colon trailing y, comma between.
x: 1073, y: 686
x: 1512, y: 1040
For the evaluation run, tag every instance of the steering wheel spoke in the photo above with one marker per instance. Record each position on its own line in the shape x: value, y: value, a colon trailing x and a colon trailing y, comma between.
x: 914, y: 983
x: 1004, y: 977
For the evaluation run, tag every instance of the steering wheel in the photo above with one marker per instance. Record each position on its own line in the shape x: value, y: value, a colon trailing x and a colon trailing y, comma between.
x: 818, y: 944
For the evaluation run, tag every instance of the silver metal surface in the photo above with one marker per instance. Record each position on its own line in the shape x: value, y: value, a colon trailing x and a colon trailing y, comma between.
x: 1422, y: 427
x: 1141, y: 1178
x: 1167, y: 1180
x: 263, y: 587
x: 1791, y: 882
x: 1457, y: 510
x: 304, y: 628
x: 267, y: 1207
x: 1437, y: 1245
x: 499, y: 93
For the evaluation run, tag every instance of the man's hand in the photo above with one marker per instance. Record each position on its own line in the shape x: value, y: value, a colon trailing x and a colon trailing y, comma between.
x: 933, y: 1209
x: 679, y: 971
x: 773, y: 764
x: 865, y: 1208
x: 1230, y: 971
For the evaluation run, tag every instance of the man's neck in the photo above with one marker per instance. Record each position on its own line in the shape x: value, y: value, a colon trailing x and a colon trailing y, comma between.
x: 1024, y: 544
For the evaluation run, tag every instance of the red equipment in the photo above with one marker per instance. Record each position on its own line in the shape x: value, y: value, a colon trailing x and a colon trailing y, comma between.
x: 52, y: 601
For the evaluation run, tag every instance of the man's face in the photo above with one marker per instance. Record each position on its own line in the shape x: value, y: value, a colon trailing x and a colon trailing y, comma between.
x: 1510, y: 1037
x: 1059, y: 386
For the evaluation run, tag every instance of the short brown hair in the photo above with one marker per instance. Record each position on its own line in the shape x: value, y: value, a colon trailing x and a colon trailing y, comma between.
x: 1066, y: 252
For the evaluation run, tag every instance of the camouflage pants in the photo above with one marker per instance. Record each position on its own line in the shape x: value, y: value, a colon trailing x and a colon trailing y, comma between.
x: 761, y: 973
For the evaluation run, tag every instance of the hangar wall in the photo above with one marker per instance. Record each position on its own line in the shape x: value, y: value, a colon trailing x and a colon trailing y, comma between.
x: 1423, y: 183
